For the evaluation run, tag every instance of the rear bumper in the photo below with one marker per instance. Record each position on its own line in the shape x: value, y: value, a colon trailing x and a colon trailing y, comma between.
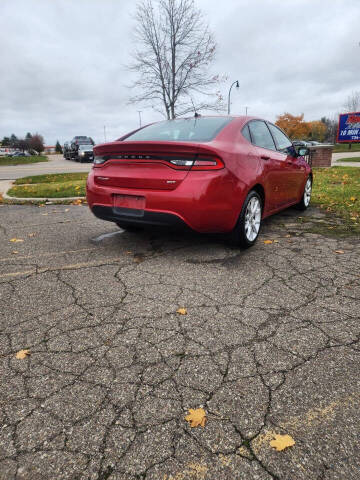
x: 204, y: 203
x: 124, y: 216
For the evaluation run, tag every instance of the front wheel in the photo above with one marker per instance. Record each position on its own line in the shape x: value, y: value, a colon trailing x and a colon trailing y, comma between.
x: 306, y: 197
x: 248, y: 226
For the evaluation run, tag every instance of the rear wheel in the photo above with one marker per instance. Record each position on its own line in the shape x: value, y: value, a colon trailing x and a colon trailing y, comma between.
x: 305, y: 199
x: 248, y: 226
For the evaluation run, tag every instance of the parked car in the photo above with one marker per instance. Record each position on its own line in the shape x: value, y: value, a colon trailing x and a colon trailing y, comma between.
x: 19, y: 154
x: 301, y: 143
x: 84, y: 153
x: 212, y: 174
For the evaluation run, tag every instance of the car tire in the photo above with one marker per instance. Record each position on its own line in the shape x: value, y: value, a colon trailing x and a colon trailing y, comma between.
x: 306, y: 196
x: 248, y: 225
x: 129, y: 228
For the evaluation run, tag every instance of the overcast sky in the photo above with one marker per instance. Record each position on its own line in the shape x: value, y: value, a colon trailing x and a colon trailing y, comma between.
x: 63, y: 62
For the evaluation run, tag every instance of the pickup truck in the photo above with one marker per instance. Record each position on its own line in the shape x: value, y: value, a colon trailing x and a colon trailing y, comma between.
x: 80, y: 149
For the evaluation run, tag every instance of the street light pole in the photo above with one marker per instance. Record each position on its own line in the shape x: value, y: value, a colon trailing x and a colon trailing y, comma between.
x: 237, y: 86
x: 105, y: 133
x: 139, y: 112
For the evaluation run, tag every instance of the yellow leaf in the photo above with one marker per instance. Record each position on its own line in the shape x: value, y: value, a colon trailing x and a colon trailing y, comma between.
x: 16, y: 240
x: 21, y: 354
x: 339, y: 251
x: 14, y: 252
x: 196, y: 417
x: 281, y: 442
x: 353, y: 199
x: 181, y: 311
x: 267, y: 242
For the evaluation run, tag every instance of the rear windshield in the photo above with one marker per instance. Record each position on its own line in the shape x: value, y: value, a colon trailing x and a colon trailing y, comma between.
x: 201, y: 129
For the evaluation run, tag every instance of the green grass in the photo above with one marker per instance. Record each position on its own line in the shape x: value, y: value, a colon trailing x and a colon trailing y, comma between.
x: 344, y: 147
x: 354, y: 159
x: 337, y: 190
x: 22, y: 160
x: 49, y: 190
x: 52, y: 178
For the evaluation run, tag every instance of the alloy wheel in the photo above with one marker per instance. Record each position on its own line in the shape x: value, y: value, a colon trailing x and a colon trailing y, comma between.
x: 252, y: 219
x: 307, y: 192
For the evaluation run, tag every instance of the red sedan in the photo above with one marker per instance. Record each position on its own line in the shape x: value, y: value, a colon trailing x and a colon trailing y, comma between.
x: 212, y: 174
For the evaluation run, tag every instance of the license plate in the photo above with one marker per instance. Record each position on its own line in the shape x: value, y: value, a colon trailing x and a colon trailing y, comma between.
x: 129, y: 201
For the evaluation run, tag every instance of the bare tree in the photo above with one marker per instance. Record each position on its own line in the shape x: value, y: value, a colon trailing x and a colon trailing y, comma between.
x: 172, y: 61
x: 352, y: 103
x: 37, y: 143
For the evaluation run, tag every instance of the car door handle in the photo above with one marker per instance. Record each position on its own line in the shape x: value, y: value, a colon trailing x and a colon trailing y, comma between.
x: 264, y: 157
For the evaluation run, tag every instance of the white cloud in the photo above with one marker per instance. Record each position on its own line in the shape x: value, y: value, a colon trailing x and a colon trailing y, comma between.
x: 63, y: 62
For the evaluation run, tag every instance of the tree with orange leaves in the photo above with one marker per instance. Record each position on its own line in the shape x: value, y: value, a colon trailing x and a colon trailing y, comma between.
x: 294, y: 126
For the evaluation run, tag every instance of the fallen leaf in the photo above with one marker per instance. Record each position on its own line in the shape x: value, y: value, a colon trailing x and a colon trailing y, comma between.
x: 181, y: 311
x: 353, y: 199
x: 66, y: 209
x: 288, y: 235
x: 281, y: 442
x: 267, y: 242
x: 44, y: 214
x: 196, y: 417
x: 276, y: 241
x: 31, y: 235
x: 14, y: 252
x: 339, y: 251
x: 16, y: 240
x: 41, y: 205
x: 21, y: 354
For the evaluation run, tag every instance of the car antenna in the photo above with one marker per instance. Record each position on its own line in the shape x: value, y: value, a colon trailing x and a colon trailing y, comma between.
x: 196, y: 114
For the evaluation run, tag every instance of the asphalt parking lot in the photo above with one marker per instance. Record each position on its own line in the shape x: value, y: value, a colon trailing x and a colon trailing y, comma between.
x: 269, y: 345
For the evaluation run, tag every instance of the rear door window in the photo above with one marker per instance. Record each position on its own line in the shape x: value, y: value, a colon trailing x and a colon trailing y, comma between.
x: 283, y: 144
x: 260, y: 135
x: 246, y: 133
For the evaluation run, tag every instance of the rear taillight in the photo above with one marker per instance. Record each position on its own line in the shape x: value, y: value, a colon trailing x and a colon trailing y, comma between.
x: 207, y: 163
x: 200, y: 163
x: 99, y: 160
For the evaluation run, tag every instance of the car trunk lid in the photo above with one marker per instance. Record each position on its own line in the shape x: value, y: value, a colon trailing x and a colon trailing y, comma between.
x: 145, y: 165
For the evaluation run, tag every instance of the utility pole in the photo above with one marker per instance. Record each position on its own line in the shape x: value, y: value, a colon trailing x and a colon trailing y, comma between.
x: 139, y: 112
x: 105, y: 133
x: 246, y: 110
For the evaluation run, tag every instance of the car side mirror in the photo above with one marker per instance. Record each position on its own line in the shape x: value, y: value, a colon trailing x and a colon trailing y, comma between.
x: 303, y: 151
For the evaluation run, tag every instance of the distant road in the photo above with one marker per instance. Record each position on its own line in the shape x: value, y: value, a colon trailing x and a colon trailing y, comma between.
x: 337, y: 156
x: 56, y: 164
